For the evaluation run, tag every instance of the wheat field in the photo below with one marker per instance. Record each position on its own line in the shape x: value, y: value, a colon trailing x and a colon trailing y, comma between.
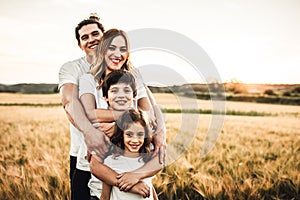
x: 253, y: 158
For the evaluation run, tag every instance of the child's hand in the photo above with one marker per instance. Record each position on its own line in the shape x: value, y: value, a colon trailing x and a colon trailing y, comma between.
x: 141, y: 188
x: 127, y: 180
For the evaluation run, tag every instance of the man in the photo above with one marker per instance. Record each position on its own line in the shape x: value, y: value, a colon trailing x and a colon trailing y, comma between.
x: 88, y: 33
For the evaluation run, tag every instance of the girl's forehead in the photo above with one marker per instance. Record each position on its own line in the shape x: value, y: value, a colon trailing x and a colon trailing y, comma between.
x: 135, y: 126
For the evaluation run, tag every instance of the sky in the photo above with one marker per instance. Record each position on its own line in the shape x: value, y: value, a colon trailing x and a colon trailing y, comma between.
x: 255, y: 41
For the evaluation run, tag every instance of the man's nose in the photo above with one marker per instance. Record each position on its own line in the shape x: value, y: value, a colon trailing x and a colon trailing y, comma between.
x: 91, y: 39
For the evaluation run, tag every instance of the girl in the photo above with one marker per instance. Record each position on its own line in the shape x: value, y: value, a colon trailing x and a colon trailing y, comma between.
x: 130, y: 150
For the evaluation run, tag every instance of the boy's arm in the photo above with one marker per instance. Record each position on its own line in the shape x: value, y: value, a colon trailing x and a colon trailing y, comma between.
x: 94, y: 139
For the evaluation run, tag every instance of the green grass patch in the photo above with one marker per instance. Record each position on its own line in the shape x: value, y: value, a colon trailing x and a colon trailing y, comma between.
x: 32, y: 104
x: 207, y: 111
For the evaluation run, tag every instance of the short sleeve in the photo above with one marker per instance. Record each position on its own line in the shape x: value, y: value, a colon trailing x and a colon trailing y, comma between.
x: 141, y: 91
x: 87, y: 84
x: 68, y: 73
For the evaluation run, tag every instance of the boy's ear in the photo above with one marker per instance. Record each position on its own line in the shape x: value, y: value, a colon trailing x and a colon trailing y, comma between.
x: 105, y: 98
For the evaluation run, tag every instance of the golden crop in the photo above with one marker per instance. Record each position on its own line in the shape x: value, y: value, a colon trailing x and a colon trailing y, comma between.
x: 253, y: 158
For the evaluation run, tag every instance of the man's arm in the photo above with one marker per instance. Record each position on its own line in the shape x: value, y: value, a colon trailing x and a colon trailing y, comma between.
x: 94, y: 139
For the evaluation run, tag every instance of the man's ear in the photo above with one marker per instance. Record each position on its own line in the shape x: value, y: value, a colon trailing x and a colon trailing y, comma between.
x: 79, y: 45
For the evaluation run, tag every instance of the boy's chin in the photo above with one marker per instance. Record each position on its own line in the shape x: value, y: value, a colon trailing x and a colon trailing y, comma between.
x: 121, y: 107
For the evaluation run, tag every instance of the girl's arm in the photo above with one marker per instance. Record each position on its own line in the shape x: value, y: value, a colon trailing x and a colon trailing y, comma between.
x: 129, y: 179
x: 107, y: 175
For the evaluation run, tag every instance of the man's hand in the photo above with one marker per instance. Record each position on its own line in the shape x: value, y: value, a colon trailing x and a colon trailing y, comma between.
x: 96, y: 143
x: 127, y: 180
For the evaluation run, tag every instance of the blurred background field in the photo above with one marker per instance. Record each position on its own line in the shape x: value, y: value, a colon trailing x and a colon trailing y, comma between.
x: 255, y: 157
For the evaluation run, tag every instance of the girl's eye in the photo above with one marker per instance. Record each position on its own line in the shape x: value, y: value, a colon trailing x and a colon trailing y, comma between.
x: 141, y: 134
x: 129, y: 134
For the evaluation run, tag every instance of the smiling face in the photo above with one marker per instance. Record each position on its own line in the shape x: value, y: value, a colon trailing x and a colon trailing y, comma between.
x: 133, y: 137
x: 116, y: 54
x: 120, y: 96
x: 89, y: 36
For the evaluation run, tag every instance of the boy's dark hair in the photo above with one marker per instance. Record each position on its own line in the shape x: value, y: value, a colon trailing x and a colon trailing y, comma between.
x: 118, y: 76
x: 92, y: 19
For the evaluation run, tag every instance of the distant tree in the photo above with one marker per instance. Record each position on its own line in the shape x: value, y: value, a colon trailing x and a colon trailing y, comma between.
x: 236, y: 86
x: 287, y: 93
x: 296, y: 90
x: 269, y: 92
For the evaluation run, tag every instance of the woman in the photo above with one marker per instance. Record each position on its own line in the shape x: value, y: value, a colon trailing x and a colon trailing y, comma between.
x: 113, y: 54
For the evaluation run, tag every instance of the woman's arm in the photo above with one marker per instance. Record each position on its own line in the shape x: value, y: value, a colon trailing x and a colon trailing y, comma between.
x: 159, y: 136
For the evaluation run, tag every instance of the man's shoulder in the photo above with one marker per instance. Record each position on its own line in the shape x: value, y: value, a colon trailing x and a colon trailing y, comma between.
x: 76, y: 62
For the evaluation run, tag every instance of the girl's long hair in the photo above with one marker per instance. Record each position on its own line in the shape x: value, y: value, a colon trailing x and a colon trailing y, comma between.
x: 129, y: 117
x: 99, y: 62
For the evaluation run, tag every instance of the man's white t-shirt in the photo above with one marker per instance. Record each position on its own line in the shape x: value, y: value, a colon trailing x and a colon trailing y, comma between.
x: 70, y: 72
x: 121, y: 164
x: 87, y: 84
